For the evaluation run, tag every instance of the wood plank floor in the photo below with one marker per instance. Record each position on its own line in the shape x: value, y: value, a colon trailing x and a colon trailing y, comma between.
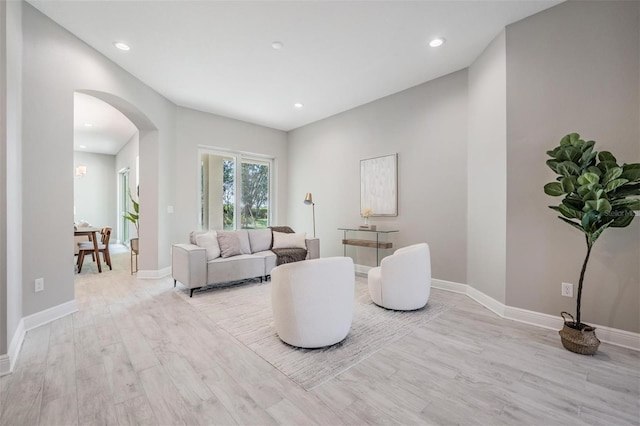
x: 136, y: 353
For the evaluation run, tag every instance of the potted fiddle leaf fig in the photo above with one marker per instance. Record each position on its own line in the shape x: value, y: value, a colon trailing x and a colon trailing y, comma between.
x: 598, y: 194
x: 133, y: 217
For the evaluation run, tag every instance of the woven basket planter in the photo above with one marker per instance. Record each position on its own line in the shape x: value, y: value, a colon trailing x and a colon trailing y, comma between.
x: 583, y: 341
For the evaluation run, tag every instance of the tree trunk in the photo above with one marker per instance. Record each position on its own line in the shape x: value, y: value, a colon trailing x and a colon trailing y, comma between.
x: 584, y: 268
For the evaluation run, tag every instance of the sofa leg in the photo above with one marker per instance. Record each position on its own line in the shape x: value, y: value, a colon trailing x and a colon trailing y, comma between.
x: 192, y: 290
x: 174, y: 283
x: 260, y: 279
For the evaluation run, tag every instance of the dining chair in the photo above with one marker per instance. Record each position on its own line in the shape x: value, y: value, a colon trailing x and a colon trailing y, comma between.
x: 103, y: 247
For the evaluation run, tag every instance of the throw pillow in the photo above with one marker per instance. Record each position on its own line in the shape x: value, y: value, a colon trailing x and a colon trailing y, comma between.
x: 260, y: 239
x: 229, y: 243
x: 209, y: 241
x: 294, y: 240
x: 243, y: 236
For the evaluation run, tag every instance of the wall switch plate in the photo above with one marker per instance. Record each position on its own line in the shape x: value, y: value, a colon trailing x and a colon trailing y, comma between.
x: 39, y: 284
x: 567, y: 289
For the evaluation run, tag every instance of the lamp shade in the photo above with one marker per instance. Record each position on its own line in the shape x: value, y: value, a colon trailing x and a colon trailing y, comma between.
x: 308, y: 199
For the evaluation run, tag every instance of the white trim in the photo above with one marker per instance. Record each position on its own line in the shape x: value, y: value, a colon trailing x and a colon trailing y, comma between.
x: 48, y: 315
x: 16, y: 344
x: 614, y: 336
x: 362, y: 269
x: 5, y: 365
x: 8, y: 361
x: 154, y: 275
x: 449, y: 286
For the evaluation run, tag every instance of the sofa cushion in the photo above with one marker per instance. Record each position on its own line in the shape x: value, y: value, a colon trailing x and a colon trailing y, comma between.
x: 193, y: 235
x: 209, y: 241
x: 243, y: 236
x: 229, y: 243
x: 285, y: 240
x: 259, y: 239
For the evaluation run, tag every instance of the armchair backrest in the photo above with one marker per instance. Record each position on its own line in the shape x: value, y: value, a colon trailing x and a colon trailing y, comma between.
x: 406, y: 274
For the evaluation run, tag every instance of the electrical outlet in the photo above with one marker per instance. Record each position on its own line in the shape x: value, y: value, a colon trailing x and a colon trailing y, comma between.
x: 567, y: 289
x: 39, y: 284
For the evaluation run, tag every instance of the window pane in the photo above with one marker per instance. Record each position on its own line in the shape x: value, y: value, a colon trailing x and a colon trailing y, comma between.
x: 255, y: 194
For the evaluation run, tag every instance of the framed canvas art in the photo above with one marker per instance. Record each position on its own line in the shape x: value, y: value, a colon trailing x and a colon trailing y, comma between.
x: 379, y: 185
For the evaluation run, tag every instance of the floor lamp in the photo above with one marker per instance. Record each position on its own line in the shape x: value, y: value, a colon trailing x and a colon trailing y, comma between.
x: 308, y: 199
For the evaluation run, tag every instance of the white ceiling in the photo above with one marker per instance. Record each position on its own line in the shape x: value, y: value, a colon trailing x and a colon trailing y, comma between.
x: 216, y: 56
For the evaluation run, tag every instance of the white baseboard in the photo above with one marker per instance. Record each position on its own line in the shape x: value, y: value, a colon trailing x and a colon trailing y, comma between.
x: 154, y: 275
x: 8, y: 361
x: 48, y: 315
x: 614, y: 336
x: 5, y: 365
x: 16, y: 344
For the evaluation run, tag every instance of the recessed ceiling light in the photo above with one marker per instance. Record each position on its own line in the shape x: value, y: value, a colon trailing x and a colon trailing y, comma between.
x: 277, y: 45
x: 298, y: 105
x: 83, y: 146
x: 88, y: 125
x: 436, y: 42
x: 122, y: 46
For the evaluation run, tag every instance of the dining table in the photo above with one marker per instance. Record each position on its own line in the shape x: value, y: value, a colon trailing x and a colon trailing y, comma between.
x: 92, y: 233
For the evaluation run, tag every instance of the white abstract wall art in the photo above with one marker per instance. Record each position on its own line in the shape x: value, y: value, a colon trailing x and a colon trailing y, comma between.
x: 379, y: 185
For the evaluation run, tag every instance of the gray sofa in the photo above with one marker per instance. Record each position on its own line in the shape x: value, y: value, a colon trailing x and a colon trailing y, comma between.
x: 201, y: 263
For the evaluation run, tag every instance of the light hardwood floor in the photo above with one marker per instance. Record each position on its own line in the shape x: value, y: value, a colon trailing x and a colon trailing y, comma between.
x: 136, y: 353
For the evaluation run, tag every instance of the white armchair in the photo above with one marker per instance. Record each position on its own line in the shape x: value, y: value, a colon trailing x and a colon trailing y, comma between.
x: 313, y: 301
x: 403, y: 280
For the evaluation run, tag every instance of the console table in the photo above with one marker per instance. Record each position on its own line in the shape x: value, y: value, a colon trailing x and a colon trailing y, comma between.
x: 371, y: 243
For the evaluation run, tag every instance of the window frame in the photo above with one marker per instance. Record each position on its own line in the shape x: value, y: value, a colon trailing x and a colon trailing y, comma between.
x: 238, y: 158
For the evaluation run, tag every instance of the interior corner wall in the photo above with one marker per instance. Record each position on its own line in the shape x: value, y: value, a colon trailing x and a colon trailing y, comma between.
x: 126, y: 159
x: 56, y: 64
x: 197, y: 129
x: 427, y: 126
x: 99, y: 208
x: 571, y: 68
x: 487, y: 171
x: 3, y: 178
x: 13, y: 166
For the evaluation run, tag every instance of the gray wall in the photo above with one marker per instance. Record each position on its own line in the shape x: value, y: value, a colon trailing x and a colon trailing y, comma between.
x: 95, y: 195
x: 196, y: 129
x: 56, y: 64
x: 13, y: 166
x: 571, y: 68
x: 487, y: 168
x: 427, y: 127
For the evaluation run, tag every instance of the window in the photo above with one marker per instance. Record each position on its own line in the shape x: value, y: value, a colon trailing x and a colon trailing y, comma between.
x: 233, y: 197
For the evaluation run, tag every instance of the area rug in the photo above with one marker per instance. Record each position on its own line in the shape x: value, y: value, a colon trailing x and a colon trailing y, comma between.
x: 244, y: 311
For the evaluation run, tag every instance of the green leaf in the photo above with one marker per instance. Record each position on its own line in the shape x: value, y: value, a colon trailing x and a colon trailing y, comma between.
x: 553, y: 165
x: 570, y: 139
x: 623, y: 218
x: 611, y: 174
x: 606, y: 165
x: 554, y: 189
x: 569, y: 212
x: 626, y: 190
x: 568, y: 168
x: 570, y: 153
x: 629, y: 203
x: 554, y: 152
x: 606, y: 156
x: 631, y: 172
x: 595, y: 170
x: 589, y: 220
x: 572, y: 223
x: 601, y: 205
x: 616, y: 183
x: 569, y: 184
x: 588, y: 178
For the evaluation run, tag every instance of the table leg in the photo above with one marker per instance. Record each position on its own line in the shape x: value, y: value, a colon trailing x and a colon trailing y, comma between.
x: 97, y: 252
